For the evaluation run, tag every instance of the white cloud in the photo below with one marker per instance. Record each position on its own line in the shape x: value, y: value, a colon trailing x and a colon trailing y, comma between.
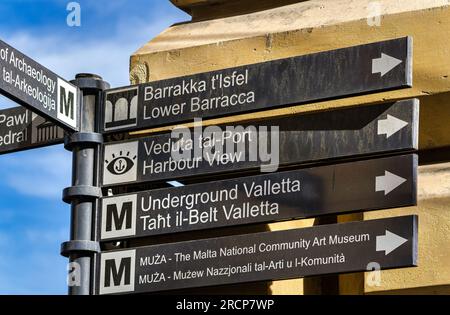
x: 41, y: 173
x: 43, y: 276
x: 45, y: 235
x: 106, y: 56
x: 45, y: 173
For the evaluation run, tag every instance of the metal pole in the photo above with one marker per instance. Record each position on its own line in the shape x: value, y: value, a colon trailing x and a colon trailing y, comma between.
x: 85, y: 191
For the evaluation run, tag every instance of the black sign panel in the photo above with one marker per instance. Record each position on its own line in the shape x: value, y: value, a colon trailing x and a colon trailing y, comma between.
x: 31, y: 85
x: 269, y: 144
x: 337, y: 73
x: 364, y: 185
x: 21, y: 129
x: 338, y: 248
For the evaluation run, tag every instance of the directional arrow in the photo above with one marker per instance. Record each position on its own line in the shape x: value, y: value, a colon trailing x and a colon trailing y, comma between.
x: 388, y: 182
x: 384, y: 64
x: 390, y: 125
x: 389, y: 242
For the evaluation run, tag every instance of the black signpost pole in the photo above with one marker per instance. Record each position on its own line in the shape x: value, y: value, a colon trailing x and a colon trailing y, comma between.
x: 85, y: 192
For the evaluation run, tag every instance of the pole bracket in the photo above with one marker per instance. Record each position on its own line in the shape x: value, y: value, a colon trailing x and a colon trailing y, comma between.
x: 90, y: 83
x: 81, y: 193
x: 79, y: 247
x: 82, y: 139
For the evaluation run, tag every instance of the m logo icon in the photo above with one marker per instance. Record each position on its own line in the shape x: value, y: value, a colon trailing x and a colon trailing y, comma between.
x: 118, y: 217
x: 67, y: 103
x: 117, y: 271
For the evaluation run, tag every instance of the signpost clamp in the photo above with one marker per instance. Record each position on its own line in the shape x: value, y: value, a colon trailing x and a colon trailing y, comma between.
x: 79, y: 247
x: 82, y: 139
x: 79, y: 193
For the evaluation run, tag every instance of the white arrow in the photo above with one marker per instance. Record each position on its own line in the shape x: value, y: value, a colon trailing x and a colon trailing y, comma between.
x: 388, y: 182
x: 389, y: 242
x: 390, y: 125
x: 384, y: 64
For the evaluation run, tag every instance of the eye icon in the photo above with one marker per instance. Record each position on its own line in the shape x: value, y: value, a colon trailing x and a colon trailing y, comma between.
x: 120, y: 164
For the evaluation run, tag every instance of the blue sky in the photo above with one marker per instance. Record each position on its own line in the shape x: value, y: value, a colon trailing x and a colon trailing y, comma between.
x: 33, y: 219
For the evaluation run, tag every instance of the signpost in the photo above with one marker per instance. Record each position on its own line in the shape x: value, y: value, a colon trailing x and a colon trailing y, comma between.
x: 337, y: 73
x: 20, y: 129
x: 286, y: 141
x: 327, y: 249
x: 51, y: 103
x: 311, y: 192
x: 31, y: 85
